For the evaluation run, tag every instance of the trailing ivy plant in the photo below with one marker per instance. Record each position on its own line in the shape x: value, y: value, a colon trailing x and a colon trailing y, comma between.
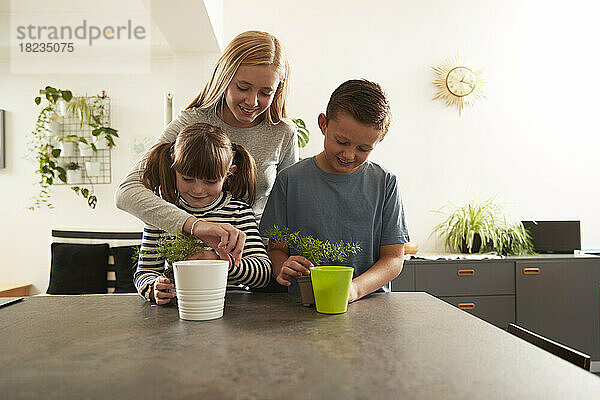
x: 313, y: 249
x: 89, y: 111
x: 42, y: 149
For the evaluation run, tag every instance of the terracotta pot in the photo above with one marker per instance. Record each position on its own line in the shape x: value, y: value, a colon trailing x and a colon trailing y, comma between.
x: 307, y: 297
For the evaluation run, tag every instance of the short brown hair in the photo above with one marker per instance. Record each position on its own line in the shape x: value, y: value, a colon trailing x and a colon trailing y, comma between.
x: 363, y: 100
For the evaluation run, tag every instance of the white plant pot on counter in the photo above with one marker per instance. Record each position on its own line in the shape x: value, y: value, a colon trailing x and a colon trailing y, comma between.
x: 85, y: 150
x: 68, y: 149
x: 92, y: 168
x: 200, y: 287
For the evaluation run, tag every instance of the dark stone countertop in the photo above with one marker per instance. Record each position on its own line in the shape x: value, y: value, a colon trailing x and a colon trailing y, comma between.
x: 267, y: 346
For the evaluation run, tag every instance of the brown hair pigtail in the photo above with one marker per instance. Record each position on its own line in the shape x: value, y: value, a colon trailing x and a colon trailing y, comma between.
x: 243, y: 181
x: 158, y: 174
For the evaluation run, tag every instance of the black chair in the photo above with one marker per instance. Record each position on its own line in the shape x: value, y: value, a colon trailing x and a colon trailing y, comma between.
x: 566, y: 353
x: 92, y: 262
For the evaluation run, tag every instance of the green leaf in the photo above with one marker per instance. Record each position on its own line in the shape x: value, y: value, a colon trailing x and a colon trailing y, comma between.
x: 82, y: 140
x: 67, y: 95
x: 38, y: 100
x: 93, y: 146
x: 96, y: 131
x: 85, y: 192
x: 56, y: 153
x: 75, y: 189
x: 92, y: 201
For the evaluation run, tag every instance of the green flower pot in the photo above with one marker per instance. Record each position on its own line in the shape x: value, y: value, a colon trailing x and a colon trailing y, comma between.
x: 331, y: 287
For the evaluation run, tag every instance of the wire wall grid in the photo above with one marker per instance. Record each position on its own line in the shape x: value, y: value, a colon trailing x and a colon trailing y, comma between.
x: 90, y: 171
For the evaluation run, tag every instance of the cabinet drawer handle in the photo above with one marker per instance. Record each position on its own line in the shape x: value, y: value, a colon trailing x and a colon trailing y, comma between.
x: 531, y: 271
x: 466, y: 272
x: 466, y: 306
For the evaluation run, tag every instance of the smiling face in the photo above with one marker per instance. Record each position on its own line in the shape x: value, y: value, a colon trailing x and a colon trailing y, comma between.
x: 348, y: 143
x: 249, y: 94
x: 198, y: 192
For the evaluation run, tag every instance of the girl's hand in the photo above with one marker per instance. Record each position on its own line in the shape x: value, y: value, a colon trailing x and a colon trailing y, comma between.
x: 293, y: 267
x: 159, y: 293
x: 204, y: 255
x: 223, y: 238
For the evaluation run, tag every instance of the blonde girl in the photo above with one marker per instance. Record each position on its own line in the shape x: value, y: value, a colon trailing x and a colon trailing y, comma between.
x: 204, y: 174
x: 246, y: 98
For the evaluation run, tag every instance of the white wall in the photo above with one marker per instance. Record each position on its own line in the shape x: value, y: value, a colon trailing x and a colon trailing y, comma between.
x: 137, y: 110
x: 533, y: 143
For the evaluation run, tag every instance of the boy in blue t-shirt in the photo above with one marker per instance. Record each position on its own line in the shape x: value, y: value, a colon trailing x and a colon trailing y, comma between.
x: 340, y: 195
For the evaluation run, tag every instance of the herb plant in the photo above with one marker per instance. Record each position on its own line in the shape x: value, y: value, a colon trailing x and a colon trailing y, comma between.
x: 486, y: 220
x: 315, y: 250
x: 179, y: 247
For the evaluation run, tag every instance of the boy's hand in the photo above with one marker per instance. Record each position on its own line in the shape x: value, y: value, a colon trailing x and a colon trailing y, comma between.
x: 293, y: 267
x: 353, y: 293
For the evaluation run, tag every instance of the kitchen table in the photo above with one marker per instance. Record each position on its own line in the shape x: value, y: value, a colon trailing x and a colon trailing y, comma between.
x: 406, y: 345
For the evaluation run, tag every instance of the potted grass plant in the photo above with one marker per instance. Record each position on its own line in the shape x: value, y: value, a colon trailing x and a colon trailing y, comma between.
x: 482, y: 227
x: 318, y: 252
x: 200, y: 283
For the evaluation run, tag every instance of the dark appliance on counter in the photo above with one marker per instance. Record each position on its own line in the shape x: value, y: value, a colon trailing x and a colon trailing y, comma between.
x: 555, y: 237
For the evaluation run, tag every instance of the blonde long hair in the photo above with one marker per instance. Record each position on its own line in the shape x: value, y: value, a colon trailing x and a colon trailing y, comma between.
x: 200, y: 151
x: 247, y: 48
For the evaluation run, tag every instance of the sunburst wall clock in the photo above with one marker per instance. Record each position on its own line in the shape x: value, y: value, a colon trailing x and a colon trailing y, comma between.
x: 458, y: 83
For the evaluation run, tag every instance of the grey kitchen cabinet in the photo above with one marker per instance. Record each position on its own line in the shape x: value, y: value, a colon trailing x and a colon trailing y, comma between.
x: 484, y: 288
x: 560, y: 299
x: 405, y: 282
x: 466, y: 278
x: 497, y: 310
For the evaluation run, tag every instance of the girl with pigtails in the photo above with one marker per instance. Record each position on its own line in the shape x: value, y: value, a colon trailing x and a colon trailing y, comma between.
x: 206, y: 175
x: 245, y: 97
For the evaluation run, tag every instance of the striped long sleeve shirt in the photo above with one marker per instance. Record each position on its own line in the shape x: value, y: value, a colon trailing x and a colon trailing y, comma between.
x: 254, y: 270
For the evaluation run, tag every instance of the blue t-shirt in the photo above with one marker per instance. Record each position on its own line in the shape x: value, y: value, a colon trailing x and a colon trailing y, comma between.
x: 364, y: 207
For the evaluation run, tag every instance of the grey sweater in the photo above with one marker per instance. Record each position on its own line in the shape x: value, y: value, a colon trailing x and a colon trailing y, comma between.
x: 274, y: 147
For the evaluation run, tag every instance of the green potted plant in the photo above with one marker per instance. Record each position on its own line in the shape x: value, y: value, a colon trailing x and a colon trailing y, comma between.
x: 48, y: 145
x: 175, y: 248
x: 200, y: 283
x: 316, y: 251
x: 482, y: 227
x: 42, y: 146
x: 303, y: 133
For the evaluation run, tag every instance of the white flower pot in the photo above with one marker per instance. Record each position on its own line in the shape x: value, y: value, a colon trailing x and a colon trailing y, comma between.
x: 200, y: 287
x: 74, y: 176
x: 100, y: 142
x: 85, y: 150
x: 54, y: 128
x: 61, y: 107
x: 92, y: 168
x: 68, y: 149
